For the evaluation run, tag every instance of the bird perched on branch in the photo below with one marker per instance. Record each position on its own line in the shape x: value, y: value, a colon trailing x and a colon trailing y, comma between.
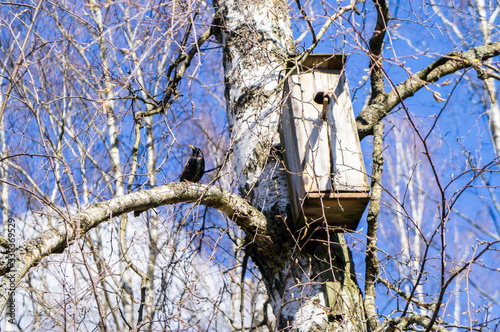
x: 195, y: 167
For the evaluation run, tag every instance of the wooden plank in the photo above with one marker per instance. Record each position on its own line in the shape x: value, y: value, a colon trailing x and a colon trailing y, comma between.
x: 346, y: 165
x: 340, y: 211
x: 322, y: 61
x: 312, y: 135
x: 339, y: 195
x: 349, y: 172
x: 291, y: 156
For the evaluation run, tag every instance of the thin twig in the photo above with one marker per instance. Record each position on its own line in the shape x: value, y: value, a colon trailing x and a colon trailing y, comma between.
x: 309, y: 24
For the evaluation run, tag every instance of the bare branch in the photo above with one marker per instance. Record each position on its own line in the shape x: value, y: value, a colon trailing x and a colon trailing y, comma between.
x: 446, y: 65
x: 402, y: 323
x: 20, y: 61
x: 428, y: 305
x: 308, y: 21
x: 55, y: 240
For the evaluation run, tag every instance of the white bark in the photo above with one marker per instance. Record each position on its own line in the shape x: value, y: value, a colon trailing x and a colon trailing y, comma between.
x: 262, y: 30
x: 151, y: 167
x: 4, y: 171
x: 309, y: 304
x: 489, y: 83
x: 108, y: 105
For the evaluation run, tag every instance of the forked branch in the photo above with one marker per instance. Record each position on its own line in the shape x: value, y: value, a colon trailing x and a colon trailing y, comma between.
x: 444, y: 66
x: 58, y: 238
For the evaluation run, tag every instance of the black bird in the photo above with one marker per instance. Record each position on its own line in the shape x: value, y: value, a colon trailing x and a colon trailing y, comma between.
x: 194, y: 168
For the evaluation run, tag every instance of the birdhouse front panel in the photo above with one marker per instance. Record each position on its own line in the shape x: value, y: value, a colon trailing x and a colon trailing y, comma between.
x: 323, y: 158
x: 331, y: 157
x: 312, y: 134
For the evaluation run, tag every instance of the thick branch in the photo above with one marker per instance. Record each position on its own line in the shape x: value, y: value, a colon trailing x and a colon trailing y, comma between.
x: 376, y: 46
x: 378, y: 91
x: 371, y: 260
x: 55, y: 240
x: 446, y: 65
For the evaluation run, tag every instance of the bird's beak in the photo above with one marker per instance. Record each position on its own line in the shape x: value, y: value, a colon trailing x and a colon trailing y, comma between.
x: 192, y: 147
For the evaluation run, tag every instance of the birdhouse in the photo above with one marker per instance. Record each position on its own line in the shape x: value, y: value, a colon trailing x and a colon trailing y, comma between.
x: 322, y: 153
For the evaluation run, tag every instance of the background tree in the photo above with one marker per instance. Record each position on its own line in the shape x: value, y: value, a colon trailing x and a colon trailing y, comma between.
x: 101, y: 99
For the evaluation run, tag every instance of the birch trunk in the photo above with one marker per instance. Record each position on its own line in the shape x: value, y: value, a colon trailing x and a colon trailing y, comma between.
x: 310, y: 290
x: 489, y: 83
x: 108, y: 105
x: 4, y: 198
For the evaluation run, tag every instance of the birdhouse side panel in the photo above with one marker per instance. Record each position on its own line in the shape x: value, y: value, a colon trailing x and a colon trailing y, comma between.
x: 311, y: 132
x: 349, y: 172
x: 291, y: 155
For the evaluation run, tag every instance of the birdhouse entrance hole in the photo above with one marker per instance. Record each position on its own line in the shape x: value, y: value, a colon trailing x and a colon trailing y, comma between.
x: 322, y: 152
x: 319, y: 98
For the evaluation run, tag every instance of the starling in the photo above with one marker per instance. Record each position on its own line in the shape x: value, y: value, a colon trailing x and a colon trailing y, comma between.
x: 194, y: 168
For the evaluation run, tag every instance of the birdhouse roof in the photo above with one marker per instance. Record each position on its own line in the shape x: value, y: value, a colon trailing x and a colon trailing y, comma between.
x: 322, y: 61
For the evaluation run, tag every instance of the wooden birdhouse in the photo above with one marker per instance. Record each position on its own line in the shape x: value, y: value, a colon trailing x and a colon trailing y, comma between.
x: 322, y: 153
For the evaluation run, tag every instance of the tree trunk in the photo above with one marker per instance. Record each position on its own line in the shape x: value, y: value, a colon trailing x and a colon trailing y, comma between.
x: 311, y: 288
